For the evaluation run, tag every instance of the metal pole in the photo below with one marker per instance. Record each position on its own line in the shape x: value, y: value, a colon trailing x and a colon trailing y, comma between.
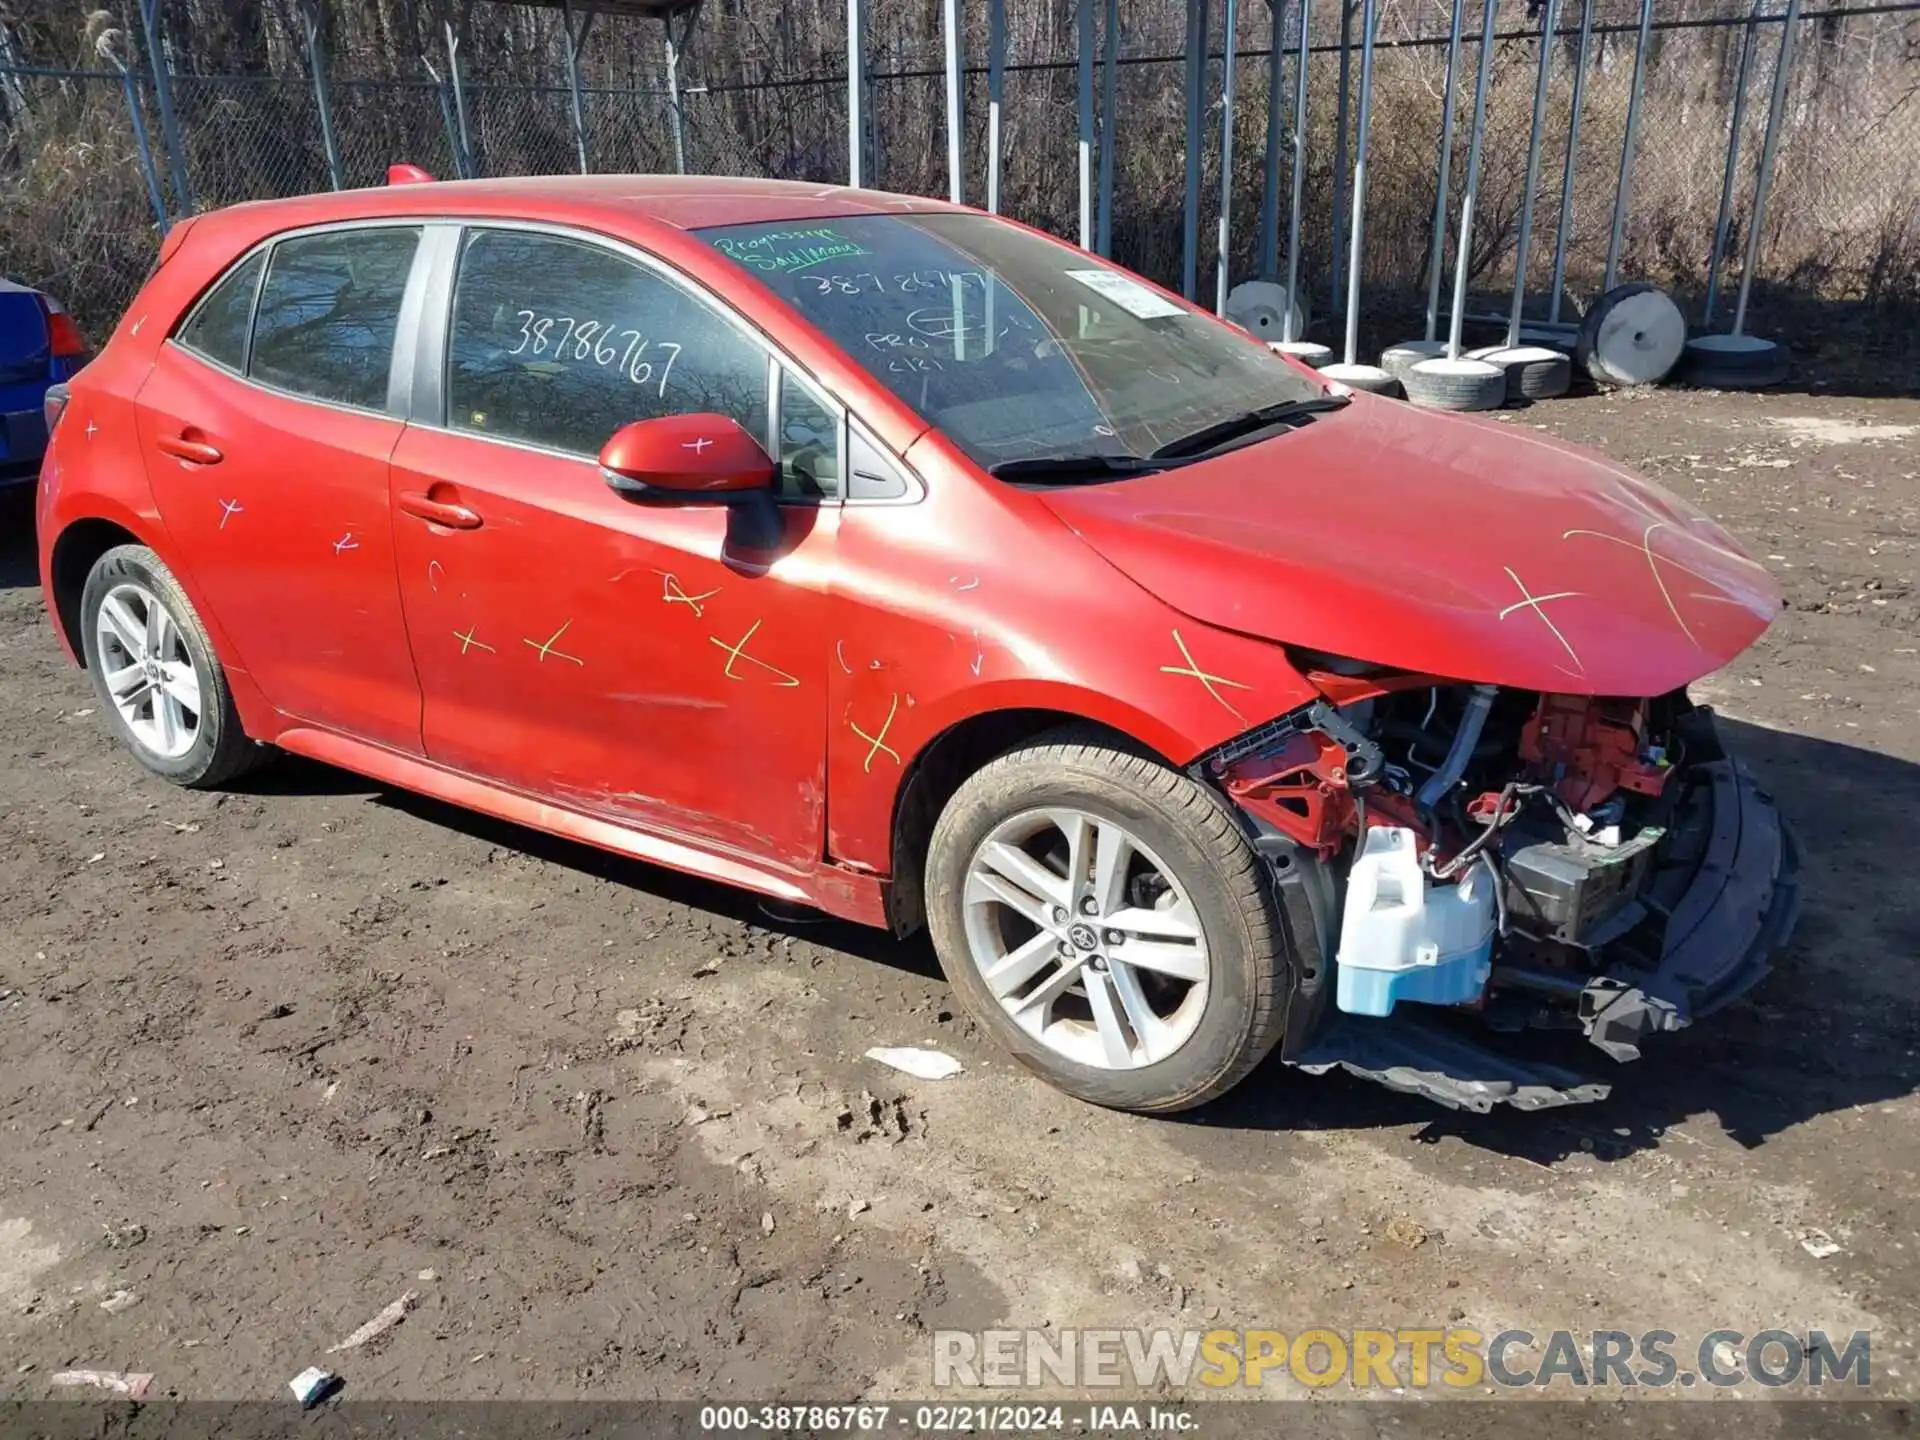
x: 1356, y: 229
x: 1196, y: 83
x: 856, y: 93
x: 996, y: 84
x: 1341, y: 110
x: 1748, y: 44
x: 465, y: 158
x: 1626, y: 145
x: 1573, y: 152
x: 1459, y: 317
x: 1223, y: 239
x: 10, y: 84
x: 1083, y: 37
x: 163, y: 97
x: 956, y: 178
x: 1769, y: 147
x: 675, y: 119
x: 1437, y: 248
x: 574, y: 42
x: 1276, y: 125
x: 1109, y: 128
x: 141, y: 144
x: 1299, y: 175
x: 446, y: 118
x: 1533, y: 172
x: 322, y: 101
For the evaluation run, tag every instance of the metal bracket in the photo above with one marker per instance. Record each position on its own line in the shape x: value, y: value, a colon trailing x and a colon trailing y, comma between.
x: 1617, y: 1016
x: 1365, y: 760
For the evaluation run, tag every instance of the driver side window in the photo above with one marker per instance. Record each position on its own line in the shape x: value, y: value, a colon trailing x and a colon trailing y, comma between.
x: 559, y: 342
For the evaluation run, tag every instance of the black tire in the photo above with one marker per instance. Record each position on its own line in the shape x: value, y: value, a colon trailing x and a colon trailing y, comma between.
x: 1396, y: 360
x: 1371, y: 378
x: 1540, y: 379
x: 1307, y: 352
x: 1729, y: 362
x: 1251, y: 972
x: 1533, y: 372
x: 1460, y: 385
x: 1633, y: 336
x: 221, y: 749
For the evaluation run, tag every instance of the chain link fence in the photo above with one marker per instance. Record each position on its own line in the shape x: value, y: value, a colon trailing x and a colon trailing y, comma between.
x: 80, y: 193
x: 84, y: 212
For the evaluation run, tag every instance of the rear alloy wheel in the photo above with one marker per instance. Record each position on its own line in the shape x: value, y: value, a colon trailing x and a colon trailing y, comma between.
x: 154, y: 670
x: 1105, y: 918
x: 147, y: 671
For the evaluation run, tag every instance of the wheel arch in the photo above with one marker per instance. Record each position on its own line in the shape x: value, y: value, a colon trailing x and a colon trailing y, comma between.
x: 78, y: 545
x: 943, y: 764
x: 74, y: 553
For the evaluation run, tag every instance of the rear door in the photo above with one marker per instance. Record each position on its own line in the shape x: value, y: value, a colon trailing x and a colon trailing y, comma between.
x: 267, y: 425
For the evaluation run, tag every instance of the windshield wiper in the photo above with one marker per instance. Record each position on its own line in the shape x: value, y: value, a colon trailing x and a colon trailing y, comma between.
x: 1074, y: 467
x: 1235, y: 426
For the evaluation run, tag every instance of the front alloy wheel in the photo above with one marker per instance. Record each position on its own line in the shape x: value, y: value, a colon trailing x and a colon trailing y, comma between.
x: 1086, y: 939
x: 1104, y: 917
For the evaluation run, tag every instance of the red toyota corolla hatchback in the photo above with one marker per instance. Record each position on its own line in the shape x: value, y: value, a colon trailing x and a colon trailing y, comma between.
x: 891, y: 558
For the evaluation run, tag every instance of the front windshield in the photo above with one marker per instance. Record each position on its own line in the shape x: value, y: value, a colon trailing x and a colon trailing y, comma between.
x: 1016, y: 347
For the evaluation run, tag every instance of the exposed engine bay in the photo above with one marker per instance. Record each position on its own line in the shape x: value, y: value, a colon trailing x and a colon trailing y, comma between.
x: 1519, y: 860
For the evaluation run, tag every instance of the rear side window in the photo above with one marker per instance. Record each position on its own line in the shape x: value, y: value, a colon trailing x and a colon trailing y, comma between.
x: 328, y: 313
x: 559, y: 343
x: 217, y: 329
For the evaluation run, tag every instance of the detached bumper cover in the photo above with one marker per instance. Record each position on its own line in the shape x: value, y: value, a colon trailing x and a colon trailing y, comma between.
x: 1728, y: 884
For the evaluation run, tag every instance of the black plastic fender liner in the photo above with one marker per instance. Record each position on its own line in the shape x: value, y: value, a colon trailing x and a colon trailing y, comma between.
x: 1732, y: 894
x: 1306, y: 895
x: 1742, y: 902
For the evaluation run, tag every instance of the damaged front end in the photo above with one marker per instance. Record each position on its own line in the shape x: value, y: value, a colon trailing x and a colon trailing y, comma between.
x: 1460, y: 864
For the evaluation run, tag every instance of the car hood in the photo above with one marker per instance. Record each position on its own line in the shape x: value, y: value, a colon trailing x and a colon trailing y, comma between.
x: 1439, y: 543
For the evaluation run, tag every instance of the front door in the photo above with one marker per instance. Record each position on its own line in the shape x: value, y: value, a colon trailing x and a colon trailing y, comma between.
x: 615, y: 657
x: 266, y: 440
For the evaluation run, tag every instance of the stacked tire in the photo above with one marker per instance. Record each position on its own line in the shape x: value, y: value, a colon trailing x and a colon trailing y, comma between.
x: 1533, y: 371
x: 1733, y: 362
x: 1459, y: 385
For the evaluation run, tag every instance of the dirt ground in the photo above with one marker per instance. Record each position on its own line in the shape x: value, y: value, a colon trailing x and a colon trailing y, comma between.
x: 269, y: 1059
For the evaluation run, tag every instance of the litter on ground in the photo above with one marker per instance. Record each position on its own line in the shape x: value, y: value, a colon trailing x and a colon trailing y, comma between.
x: 921, y: 1064
x: 134, y: 1387
x: 379, y: 1324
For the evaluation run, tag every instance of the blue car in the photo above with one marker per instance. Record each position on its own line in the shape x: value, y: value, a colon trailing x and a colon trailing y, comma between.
x: 40, y: 347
